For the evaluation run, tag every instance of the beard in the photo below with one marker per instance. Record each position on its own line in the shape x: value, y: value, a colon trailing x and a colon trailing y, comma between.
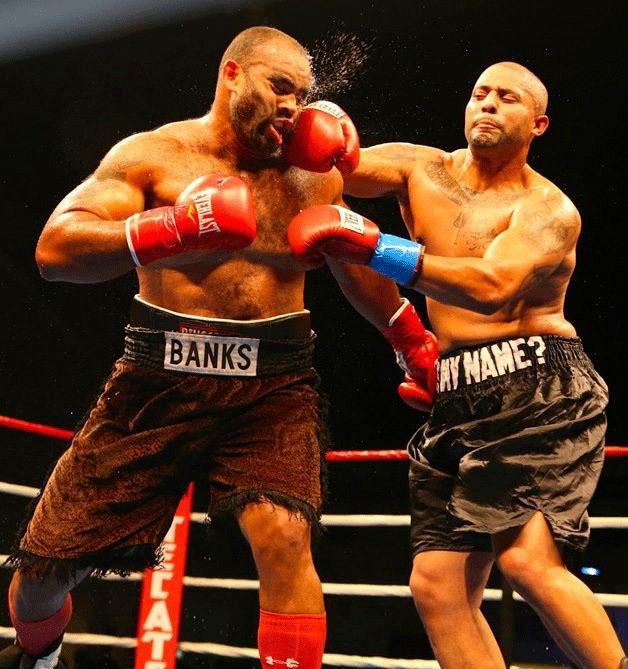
x: 483, y: 140
x: 498, y: 137
x: 251, y: 124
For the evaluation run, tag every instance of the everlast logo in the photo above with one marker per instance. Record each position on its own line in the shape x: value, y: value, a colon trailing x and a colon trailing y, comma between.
x: 206, y: 221
x: 207, y: 354
x: 488, y: 362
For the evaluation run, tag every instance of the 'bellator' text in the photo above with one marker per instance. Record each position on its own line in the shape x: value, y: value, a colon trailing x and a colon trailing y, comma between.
x: 488, y: 362
x: 208, y: 354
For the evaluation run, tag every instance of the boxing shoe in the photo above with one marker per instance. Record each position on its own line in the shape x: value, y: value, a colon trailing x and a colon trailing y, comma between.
x: 14, y: 657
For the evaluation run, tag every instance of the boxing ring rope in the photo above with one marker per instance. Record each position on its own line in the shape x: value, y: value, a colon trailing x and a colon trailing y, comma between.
x: 329, y: 589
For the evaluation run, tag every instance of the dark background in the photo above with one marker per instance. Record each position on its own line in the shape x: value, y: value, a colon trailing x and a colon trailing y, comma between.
x: 403, y: 71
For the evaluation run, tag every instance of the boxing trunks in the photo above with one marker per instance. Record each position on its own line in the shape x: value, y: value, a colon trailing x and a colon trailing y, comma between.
x: 235, y: 404
x: 517, y: 427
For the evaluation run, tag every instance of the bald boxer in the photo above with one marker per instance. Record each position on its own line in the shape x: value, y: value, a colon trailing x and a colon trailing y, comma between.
x: 505, y: 467
x: 216, y: 380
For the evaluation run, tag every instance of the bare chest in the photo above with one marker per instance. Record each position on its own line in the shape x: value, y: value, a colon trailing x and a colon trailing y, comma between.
x: 279, y: 193
x: 458, y: 222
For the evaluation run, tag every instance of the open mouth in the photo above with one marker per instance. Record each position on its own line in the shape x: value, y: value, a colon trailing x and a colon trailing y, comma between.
x: 279, y: 129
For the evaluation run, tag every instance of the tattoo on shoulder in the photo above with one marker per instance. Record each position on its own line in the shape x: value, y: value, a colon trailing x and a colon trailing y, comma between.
x: 551, y: 232
x: 118, y: 172
x: 437, y: 173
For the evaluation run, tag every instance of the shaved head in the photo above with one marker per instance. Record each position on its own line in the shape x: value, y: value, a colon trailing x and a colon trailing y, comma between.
x: 527, y: 80
x: 247, y: 44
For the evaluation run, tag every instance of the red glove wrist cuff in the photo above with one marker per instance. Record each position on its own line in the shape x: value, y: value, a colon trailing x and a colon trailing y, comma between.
x: 405, y: 322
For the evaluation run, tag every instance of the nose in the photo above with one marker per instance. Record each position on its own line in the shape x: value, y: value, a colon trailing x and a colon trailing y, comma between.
x: 288, y: 106
x: 489, y: 104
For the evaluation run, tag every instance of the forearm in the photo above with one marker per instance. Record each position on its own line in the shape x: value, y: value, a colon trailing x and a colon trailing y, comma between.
x: 79, y: 247
x: 483, y: 285
x: 469, y: 283
x: 373, y: 296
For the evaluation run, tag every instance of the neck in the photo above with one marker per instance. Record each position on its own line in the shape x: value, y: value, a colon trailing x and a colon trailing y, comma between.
x: 484, y: 169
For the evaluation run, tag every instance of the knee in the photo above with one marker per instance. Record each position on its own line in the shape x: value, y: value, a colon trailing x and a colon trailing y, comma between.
x: 31, y: 597
x: 427, y: 587
x: 276, y: 535
x: 522, y: 570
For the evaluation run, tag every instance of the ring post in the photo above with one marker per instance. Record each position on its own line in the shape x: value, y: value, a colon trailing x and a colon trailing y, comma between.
x: 161, y: 596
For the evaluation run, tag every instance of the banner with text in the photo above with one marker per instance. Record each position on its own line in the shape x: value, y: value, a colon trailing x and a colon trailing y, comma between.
x: 162, y: 593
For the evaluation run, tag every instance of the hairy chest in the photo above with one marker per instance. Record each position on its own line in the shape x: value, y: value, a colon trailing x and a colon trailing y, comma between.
x: 278, y: 193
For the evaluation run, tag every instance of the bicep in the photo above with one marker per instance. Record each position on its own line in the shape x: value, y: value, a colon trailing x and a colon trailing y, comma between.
x: 537, y: 241
x: 114, y: 191
x: 382, y: 171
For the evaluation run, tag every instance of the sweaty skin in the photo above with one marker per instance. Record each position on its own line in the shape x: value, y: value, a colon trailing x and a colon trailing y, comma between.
x: 500, y: 238
x: 84, y: 239
x: 500, y: 250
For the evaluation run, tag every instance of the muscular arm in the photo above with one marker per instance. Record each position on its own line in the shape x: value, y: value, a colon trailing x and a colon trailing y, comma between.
x: 383, y: 170
x: 372, y: 295
x: 542, y: 236
x: 84, y: 239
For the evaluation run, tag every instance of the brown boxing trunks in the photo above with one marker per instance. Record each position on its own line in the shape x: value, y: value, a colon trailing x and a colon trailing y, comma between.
x: 233, y: 403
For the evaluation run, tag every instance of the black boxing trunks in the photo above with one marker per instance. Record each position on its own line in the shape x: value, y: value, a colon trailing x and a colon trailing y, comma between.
x: 517, y: 427
x: 173, y: 413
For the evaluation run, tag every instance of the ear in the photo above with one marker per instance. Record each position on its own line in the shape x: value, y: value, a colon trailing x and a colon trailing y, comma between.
x: 231, y: 73
x: 541, y: 124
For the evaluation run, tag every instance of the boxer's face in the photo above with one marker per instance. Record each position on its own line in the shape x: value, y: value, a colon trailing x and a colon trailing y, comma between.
x: 501, y: 110
x: 271, y: 93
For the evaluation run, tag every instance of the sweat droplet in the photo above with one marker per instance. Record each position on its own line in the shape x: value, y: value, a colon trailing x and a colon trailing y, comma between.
x: 337, y: 60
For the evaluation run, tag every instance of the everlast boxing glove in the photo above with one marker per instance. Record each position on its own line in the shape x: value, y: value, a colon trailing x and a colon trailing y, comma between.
x: 214, y: 211
x: 416, y: 352
x: 323, y: 137
x: 344, y: 235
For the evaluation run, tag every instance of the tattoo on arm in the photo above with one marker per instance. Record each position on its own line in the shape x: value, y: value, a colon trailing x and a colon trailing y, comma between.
x: 117, y: 172
x: 551, y: 233
x: 537, y: 275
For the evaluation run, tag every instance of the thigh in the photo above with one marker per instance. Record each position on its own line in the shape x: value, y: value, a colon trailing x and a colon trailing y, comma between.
x: 433, y: 527
x: 272, y: 448
x: 119, y: 483
x: 526, y: 548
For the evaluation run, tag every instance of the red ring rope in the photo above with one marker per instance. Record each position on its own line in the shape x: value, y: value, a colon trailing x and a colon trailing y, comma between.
x: 332, y: 456
x: 37, y: 428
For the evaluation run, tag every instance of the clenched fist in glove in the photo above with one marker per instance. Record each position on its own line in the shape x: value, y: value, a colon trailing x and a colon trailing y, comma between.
x: 323, y: 137
x: 330, y: 230
x: 214, y: 211
x: 416, y: 351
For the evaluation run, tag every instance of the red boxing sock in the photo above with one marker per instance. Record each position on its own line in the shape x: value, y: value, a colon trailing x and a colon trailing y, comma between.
x: 37, y: 635
x: 292, y: 640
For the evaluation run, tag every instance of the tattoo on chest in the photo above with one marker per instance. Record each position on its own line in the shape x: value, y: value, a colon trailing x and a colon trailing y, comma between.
x: 480, y: 214
x: 458, y: 194
x: 476, y: 238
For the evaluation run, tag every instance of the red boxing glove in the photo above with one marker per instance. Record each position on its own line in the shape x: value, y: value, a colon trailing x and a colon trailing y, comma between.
x: 328, y: 229
x: 323, y: 137
x: 416, y: 351
x: 215, y: 211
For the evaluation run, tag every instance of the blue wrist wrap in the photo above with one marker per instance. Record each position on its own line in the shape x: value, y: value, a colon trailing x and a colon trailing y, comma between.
x: 397, y: 258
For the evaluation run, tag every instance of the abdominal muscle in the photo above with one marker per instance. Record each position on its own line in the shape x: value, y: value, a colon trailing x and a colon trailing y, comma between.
x: 235, y: 288
x: 457, y: 328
